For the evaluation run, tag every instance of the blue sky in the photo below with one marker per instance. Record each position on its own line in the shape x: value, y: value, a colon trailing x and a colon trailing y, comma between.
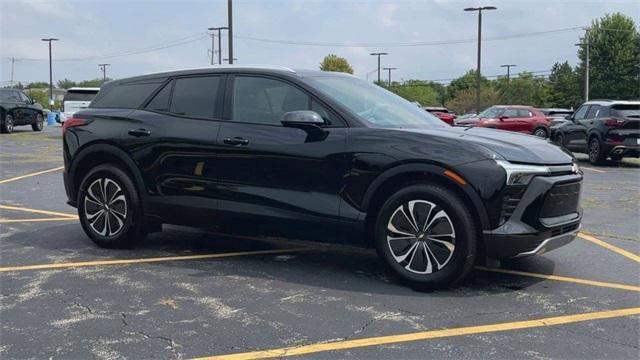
x: 91, y: 29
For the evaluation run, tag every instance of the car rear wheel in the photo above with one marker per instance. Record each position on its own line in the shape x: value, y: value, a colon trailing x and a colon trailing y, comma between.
x: 540, y: 132
x: 39, y: 124
x: 560, y: 139
x: 109, y: 208
x: 426, y: 236
x: 596, y: 154
x: 7, y: 124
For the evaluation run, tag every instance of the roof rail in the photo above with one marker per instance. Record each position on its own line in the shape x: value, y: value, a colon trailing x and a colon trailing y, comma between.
x: 253, y: 66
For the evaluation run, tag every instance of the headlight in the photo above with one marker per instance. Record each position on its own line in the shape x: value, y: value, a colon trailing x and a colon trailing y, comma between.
x: 575, y: 169
x: 519, y: 174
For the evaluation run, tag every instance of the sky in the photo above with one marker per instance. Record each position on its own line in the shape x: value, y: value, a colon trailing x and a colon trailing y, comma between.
x: 99, y: 31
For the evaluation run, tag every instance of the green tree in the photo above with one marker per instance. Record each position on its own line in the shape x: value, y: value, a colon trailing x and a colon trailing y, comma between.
x: 416, y: 90
x: 465, y: 100
x: 66, y: 84
x: 465, y: 82
x: 333, y: 62
x: 92, y: 82
x: 39, y: 85
x: 614, y: 46
x: 565, y: 91
x: 524, y: 89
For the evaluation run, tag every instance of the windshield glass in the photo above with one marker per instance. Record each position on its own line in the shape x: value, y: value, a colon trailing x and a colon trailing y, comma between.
x: 490, y: 113
x: 375, y: 105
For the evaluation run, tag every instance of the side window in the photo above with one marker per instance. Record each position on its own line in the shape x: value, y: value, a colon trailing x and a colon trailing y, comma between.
x: 579, y: 115
x: 524, y: 113
x: 594, y: 110
x: 160, y: 102
x: 23, y: 97
x: 329, y: 118
x: 125, y: 96
x: 604, y: 111
x: 510, y: 113
x: 195, y: 96
x: 14, y: 96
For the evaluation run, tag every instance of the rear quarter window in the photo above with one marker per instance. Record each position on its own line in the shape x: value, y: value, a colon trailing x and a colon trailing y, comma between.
x: 126, y: 96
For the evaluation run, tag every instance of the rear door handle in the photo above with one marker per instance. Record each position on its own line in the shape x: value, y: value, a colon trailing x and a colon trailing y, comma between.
x: 139, y: 132
x: 236, y: 141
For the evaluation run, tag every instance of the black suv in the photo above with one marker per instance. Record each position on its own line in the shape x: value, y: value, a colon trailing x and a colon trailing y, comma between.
x: 602, y: 128
x: 314, y: 155
x: 16, y: 109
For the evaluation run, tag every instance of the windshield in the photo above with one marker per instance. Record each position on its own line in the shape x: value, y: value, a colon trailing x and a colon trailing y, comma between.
x: 490, y: 113
x: 630, y: 111
x: 375, y: 105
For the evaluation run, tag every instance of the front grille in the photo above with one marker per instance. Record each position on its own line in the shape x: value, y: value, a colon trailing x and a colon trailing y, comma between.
x: 510, y: 201
x: 561, y: 200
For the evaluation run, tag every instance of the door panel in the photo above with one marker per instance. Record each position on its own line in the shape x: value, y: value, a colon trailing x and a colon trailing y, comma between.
x: 576, y: 134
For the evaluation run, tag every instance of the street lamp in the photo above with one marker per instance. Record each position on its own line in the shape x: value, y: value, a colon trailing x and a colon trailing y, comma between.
x: 479, y: 10
x: 49, y: 40
x: 378, y: 54
x: 218, y: 29
x: 389, y: 69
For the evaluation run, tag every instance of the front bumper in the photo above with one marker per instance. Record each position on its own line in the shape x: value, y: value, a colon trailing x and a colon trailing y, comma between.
x: 547, y: 216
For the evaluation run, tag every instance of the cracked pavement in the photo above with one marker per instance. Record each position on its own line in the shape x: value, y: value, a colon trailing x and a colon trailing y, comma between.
x: 184, y: 309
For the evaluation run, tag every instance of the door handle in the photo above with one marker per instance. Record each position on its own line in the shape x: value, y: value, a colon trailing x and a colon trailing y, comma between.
x: 139, y: 132
x: 236, y: 141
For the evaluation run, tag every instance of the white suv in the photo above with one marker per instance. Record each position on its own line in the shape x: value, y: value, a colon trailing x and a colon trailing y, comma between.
x: 76, y: 99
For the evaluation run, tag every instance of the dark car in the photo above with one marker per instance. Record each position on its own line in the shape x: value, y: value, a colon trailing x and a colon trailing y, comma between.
x: 442, y: 113
x: 518, y: 118
x: 17, y: 109
x: 318, y: 156
x: 556, y: 116
x: 601, y: 129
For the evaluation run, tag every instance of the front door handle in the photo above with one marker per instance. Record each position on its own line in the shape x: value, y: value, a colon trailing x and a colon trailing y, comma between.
x: 139, y: 132
x: 236, y: 141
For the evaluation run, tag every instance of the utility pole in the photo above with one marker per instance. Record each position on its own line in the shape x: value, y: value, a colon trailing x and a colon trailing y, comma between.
x: 49, y: 40
x: 586, y: 44
x: 213, y: 48
x: 478, y: 76
x: 230, y: 61
x: 389, y: 69
x: 508, y: 70
x: 104, y: 71
x: 378, y: 54
x: 230, y: 24
x: 219, y: 29
x: 13, y: 61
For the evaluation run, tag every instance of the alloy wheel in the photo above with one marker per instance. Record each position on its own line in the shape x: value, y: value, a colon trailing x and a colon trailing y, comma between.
x: 39, y: 122
x: 421, y: 237
x: 105, y: 207
x: 540, y: 133
x: 594, y: 150
x: 8, y: 123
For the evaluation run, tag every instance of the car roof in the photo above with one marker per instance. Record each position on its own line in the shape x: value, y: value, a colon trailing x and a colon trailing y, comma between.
x: 608, y: 102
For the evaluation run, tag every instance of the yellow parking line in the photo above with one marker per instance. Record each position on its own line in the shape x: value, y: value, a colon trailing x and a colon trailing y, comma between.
x: 608, y: 246
x: 36, y: 211
x: 30, y: 175
x: 6, y: 221
x: 145, y: 260
x: 564, y: 278
x: 427, y: 335
x: 592, y: 169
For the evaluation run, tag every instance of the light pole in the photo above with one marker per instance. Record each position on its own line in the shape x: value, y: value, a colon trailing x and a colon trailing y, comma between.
x: 230, y: 23
x: 389, y: 69
x: 508, y: 70
x: 49, y: 40
x: 378, y: 54
x: 586, y: 68
x: 104, y: 71
x: 218, y: 29
x: 479, y: 10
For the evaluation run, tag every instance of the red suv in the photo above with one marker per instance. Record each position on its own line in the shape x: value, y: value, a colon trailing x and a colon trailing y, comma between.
x: 524, y: 119
x: 442, y: 113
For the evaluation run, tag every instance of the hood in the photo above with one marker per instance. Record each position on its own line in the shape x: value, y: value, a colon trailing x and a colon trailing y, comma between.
x: 472, y: 120
x: 511, y: 146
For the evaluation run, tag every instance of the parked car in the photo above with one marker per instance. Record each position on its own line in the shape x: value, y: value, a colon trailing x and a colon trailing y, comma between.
x: 17, y: 109
x: 442, y: 113
x: 313, y: 155
x: 465, y: 116
x: 601, y: 129
x: 556, y: 116
x: 523, y: 119
x: 76, y: 99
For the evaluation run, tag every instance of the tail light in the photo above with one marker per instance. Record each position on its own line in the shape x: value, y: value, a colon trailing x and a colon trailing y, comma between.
x: 73, y: 122
x: 613, y: 122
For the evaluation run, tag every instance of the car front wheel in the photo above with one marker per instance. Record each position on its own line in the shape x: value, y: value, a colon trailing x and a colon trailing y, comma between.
x: 597, y: 156
x: 109, y: 208
x: 39, y: 124
x: 426, y: 236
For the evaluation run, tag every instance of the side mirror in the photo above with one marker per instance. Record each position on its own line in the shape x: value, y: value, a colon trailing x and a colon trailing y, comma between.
x: 302, y: 118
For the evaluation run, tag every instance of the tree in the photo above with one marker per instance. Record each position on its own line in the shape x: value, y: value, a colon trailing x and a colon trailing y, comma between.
x: 464, y: 82
x: 565, y: 91
x: 39, y: 85
x: 524, y: 90
x: 614, y: 55
x: 66, y: 84
x: 333, y: 62
x: 465, y: 100
x: 416, y: 90
x: 92, y: 83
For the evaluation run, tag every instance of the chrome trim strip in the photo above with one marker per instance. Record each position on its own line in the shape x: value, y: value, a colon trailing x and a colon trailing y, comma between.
x: 546, y: 241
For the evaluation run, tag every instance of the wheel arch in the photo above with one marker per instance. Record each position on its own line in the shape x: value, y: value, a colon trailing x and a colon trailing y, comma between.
x: 399, y: 176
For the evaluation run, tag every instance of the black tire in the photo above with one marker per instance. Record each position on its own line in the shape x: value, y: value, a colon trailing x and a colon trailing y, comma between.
x: 127, y: 216
x: 39, y: 124
x: 540, y: 132
x: 596, y: 155
x: 7, y: 124
x: 560, y: 139
x: 445, y: 270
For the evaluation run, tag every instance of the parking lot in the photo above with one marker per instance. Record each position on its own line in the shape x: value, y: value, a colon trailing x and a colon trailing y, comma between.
x: 184, y: 293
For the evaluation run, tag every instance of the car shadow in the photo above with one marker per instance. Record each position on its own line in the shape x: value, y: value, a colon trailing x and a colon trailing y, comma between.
x: 335, y: 267
x: 624, y: 163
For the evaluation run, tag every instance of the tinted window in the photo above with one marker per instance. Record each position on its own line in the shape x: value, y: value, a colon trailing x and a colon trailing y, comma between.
x: 195, y: 97
x: 579, y: 115
x: 510, y: 113
x: 23, y: 97
x: 10, y: 95
x: 160, y: 102
x: 631, y: 110
x: 593, y: 111
x: 77, y: 95
x: 4, y: 96
x: 127, y: 96
x: 524, y: 113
